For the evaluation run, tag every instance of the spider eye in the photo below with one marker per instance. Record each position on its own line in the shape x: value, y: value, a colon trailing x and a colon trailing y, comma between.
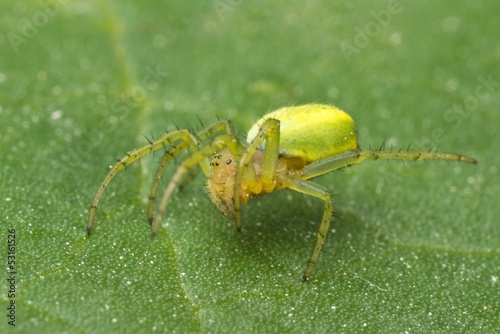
x: 228, y: 161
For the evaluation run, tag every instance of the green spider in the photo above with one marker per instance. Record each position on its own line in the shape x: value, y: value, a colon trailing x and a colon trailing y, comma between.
x: 284, y: 149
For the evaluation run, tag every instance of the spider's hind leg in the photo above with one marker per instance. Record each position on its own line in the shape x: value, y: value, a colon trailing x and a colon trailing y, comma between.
x: 313, y: 189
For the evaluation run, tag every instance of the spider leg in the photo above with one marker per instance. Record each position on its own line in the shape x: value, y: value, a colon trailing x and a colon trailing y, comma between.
x: 188, y: 178
x: 356, y: 156
x: 330, y: 164
x: 414, y: 156
x: 169, y: 155
x: 198, y: 157
x: 345, y: 159
x: 313, y: 189
x: 184, y: 136
x: 209, y: 131
x: 270, y: 134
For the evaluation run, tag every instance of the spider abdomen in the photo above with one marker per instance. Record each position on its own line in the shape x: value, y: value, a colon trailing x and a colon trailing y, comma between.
x: 311, y: 132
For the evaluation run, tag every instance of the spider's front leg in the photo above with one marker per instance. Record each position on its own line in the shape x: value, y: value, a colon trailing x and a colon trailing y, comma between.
x: 269, y: 134
x: 198, y: 157
x: 177, y: 141
x: 220, y: 127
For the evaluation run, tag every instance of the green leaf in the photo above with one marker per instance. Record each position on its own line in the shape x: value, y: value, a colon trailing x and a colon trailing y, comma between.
x: 416, y: 248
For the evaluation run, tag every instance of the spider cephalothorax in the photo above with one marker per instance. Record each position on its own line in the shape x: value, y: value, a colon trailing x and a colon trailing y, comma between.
x: 284, y: 149
x: 220, y: 186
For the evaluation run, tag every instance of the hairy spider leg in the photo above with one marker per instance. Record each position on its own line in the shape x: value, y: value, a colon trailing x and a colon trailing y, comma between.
x: 309, y: 188
x: 198, y: 157
x: 356, y: 156
x: 414, y: 156
x: 270, y: 134
x: 164, y: 140
x: 189, y: 177
x: 343, y: 160
x: 224, y: 127
x: 302, y: 185
x: 169, y: 155
x: 313, y: 189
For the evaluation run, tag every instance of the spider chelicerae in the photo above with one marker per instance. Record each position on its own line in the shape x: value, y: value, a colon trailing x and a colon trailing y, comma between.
x: 284, y: 149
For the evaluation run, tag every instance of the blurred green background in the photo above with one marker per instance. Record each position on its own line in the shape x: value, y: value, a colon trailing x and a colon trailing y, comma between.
x: 416, y: 250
